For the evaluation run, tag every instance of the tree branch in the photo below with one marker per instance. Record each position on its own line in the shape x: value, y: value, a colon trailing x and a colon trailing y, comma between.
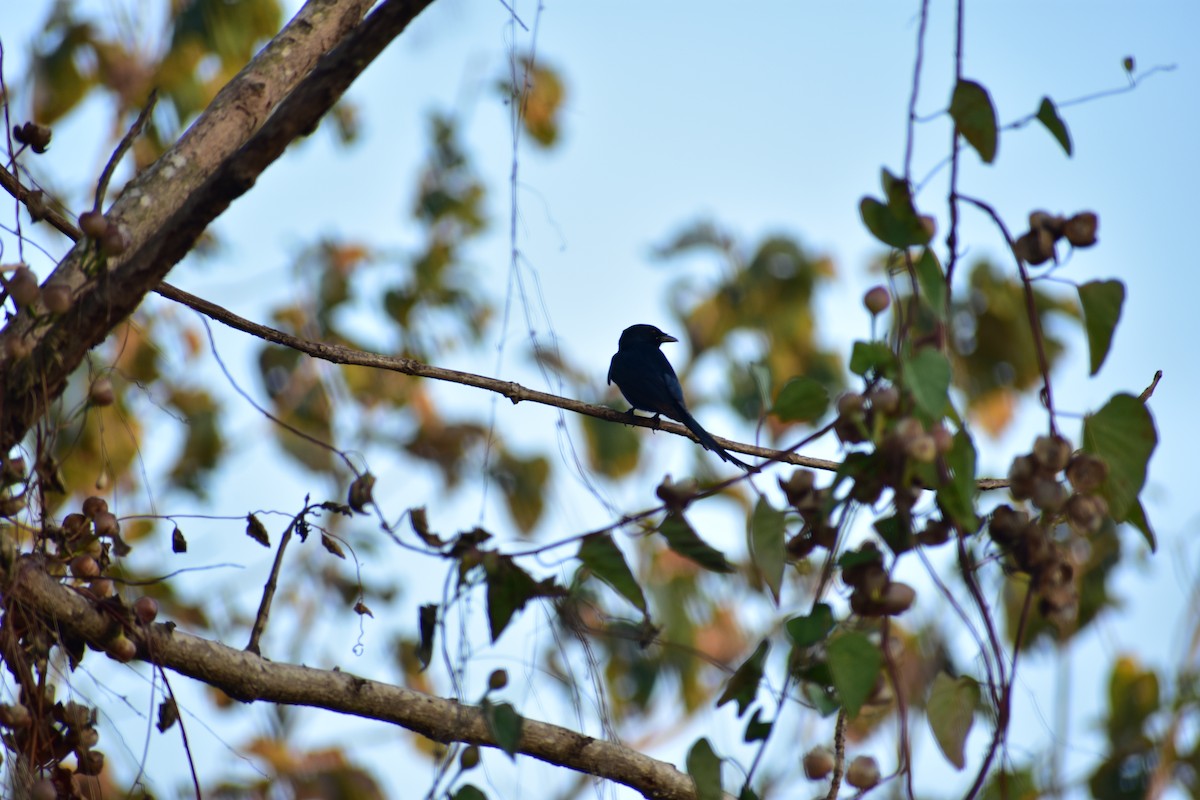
x: 339, y: 354
x: 250, y: 678
x: 279, y: 97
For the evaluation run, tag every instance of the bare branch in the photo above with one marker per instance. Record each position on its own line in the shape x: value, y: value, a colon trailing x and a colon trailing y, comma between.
x: 250, y: 678
x: 515, y: 392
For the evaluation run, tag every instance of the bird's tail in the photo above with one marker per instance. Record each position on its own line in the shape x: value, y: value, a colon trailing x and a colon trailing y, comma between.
x: 709, y: 443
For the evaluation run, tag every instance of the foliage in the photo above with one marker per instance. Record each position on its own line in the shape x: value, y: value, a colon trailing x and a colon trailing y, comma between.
x: 807, y: 614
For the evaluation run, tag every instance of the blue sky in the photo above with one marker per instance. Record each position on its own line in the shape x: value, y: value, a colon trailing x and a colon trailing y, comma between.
x: 764, y: 117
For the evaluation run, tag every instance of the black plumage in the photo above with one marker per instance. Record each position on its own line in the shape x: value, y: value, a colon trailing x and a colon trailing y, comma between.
x: 649, y: 383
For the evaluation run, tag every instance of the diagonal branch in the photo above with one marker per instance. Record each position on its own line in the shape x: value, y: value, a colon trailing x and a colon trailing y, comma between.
x: 250, y: 678
x: 340, y: 354
x: 277, y: 98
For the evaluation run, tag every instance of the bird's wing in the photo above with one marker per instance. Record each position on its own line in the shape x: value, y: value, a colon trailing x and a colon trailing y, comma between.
x: 670, y: 380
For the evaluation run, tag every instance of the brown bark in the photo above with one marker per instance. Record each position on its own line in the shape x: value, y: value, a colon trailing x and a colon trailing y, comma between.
x: 251, y: 678
x: 278, y: 97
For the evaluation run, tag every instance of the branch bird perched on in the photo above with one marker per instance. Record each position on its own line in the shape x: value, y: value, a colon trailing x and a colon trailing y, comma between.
x: 645, y: 377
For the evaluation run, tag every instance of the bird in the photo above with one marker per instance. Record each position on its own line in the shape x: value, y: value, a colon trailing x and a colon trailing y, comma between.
x: 649, y: 383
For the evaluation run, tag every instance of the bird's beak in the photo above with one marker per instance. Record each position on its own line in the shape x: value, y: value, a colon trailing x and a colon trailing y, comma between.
x: 665, y: 337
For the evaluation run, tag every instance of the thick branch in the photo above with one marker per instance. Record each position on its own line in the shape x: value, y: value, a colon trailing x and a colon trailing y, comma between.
x: 280, y: 96
x: 250, y: 678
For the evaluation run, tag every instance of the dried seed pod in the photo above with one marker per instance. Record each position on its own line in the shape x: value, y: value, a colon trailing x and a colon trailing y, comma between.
x: 850, y: 429
x: 145, y: 609
x: 1086, y: 512
x: 1052, y: 453
x: 84, y: 567
x: 74, y: 525
x: 23, y: 287
x: 799, y: 487
x: 1045, y: 221
x: 877, y: 299
x: 101, y: 392
x: 884, y: 399
x: 106, y: 524
x: 359, y: 495
x: 1021, y: 475
x: 850, y: 403
x: 93, y: 506
x: 818, y: 763
x: 35, y: 135
x: 897, y: 598
x: 57, y: 297
x: 1035, y: 247
x: 1080, y: 229
x: 1049, y: 494
x: 936, y: 532
x: 1033, y: 548
x: 1006, y: 524
x: 1086, y: 472
x: 923, y: 449
x: 863, y: 773
x: 122, y: 649
x: 93, y: 224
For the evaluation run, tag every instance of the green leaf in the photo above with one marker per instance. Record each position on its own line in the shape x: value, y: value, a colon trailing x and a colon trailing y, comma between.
x: 505, y: 725
x: 864, y: 555
x: 612, y: 450
x: 743, y: 685
x: 766, y: 545
x: 757, y: 731
x: 509, y: 588
x: 1101, y: 301
x: 820, y: 698
x: 705, y: 769
x: 469, y: 792
x: 951, y: 712
x: 683, y: 540
x: 932, y: 281
x: 854, y: 665
x: 896, y: 532
x: 868, y: 357
x: 927, y: 375
x: 427, y: 622
x: 957, y: 498
x: 600, y: 554
x: 1048, y: 115
x: 1138, y: 519
x: 894, y: 227
x: 1123, y: 435
x: 801, y: 400
x: 975, y: 118
x: 811, y: 628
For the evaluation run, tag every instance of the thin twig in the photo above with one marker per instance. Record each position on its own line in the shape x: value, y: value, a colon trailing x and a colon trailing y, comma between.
x: 126, y: 142
x: 952, y: 234
x: 1025, y: 120
x: 1003, y: 710
x: 59, y: 221
x: 264, y: 606
x: 515, y: 392
x: 839, y: 755
x: 183, y: 733
x: 1035, y: 321
x: 1149, y: 390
